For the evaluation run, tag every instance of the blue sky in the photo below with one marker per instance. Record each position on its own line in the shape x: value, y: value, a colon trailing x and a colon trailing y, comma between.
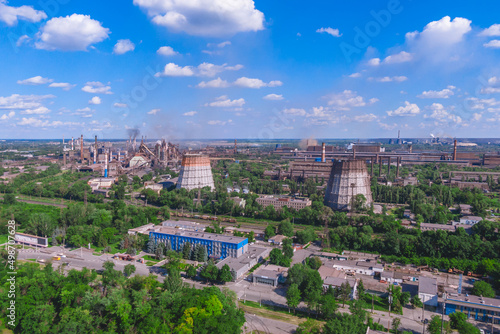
x: 243, y: 69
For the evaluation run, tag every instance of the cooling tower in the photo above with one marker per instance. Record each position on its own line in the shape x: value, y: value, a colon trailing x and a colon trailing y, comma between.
x: 347, y: 179
x: 195, y: 172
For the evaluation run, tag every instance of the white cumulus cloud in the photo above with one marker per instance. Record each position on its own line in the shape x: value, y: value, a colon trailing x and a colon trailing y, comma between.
x: 224, y: 102
x: 71, y: 33
x: 166, y: 51
x: 205, y: 17
x: 96, y: 87
x: 397, y: 58
x: 190, y: 113
x: 347, y: 100
x: 365, y: 118
x: 154, y: 111
x: 123, y: 46
x: 400, y: 78
x: 493, y: 30
x: 5, y: 117
x: 10, y: 15
x: 493, y: 44
x: 202, y: 70
x: 330, y: 31
x: 433, y: 94
x: 256, y: 83
x: 38, y: 80
x: 216, y: 83
x: 409, y: 109
x: 273, y: 97
x: 95, y: 100
x: 63, y: 85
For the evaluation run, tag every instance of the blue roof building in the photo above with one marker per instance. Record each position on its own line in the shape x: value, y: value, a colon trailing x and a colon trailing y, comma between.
x: 218, y: 246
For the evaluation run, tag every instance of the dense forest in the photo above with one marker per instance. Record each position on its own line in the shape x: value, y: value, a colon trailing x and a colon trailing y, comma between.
x: 48, y: 301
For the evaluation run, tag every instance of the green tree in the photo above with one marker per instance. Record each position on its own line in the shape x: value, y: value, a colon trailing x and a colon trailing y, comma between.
x: 285, y: 228
x: 396, y: 322
x: 345, y: 324
x: 434, y: 326
x: 191, y: 271
x: 344, y: 292
x: 309, y: 327
x: 9, y: 199
x: 416, y: 302
x: 225, y: 274
x: 128, y: 270
x: 293, y: 297
x: 481, y: 288
x: 173, y: 281
x: 210, y: 272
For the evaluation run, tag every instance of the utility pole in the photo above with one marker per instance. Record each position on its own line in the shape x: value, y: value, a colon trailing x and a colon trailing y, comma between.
x: 442, y: 313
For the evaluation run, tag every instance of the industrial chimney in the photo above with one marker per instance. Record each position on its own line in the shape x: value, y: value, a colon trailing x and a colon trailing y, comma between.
x: 323, y: 153
x: 95, y: 150
x: 106, y: 165
x: 72, y: 144
x: 455, y: 151
x: 81, y: 148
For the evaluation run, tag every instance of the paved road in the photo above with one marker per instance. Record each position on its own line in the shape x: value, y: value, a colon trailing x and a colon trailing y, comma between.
x: 265, y: 325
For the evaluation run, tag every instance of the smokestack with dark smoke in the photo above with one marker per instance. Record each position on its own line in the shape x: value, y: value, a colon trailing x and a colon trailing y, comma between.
x: 133, y: 133
x: 304, y: 143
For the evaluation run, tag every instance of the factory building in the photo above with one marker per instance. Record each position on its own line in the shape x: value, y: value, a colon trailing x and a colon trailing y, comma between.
x: 218, y: 246
x: 348, y: 178
x: 195, y: 173
x: 478, y: 308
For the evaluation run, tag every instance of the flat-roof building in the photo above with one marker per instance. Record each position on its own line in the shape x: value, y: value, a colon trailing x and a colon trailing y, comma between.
x: 270, y: 275
x: 479, y: 308
x: 218, y: 246
x: 280, y: 201
x: 427, y: 290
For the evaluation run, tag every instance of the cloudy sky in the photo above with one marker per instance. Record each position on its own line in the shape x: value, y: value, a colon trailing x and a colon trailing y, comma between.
x: 242, y: 69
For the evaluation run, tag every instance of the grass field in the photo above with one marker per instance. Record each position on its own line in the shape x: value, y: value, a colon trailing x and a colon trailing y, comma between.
x: 274, y: 313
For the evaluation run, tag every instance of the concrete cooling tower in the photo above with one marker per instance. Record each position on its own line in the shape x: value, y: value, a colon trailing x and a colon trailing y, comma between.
x: 195, y: 172
x: 347, y: 179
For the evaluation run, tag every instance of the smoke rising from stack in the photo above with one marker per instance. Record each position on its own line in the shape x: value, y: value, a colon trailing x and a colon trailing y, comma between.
x: 304, y: 143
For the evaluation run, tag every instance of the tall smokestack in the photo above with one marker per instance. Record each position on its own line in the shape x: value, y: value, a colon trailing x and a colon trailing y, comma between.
x: 399, y: 134
x: 63, y: 140
x: 235, y: 146
x: 95, y: 150
x: 354, y: 151
x: 105, y: 164
x: 81, y: 148
x: 323, y: 152
x: 455, y: 151
x: 72, y: 144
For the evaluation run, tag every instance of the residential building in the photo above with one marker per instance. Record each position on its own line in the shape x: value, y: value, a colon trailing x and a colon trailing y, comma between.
x: 278, y: 202
x: 218, y: 246
x: 427, y: 290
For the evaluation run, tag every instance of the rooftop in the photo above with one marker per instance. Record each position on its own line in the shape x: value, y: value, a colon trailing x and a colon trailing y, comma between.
x: 427, y: 285
x: 201, y: 235
x: 271, y: 271
x: 494, y: 302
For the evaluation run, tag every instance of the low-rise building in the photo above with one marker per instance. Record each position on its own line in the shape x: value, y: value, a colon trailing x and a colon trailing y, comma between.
x: 470, y: 220
x: 478, y: 308
x: 270, y: 275
x: 156, y: 187
x: 391, y: 277
x: 184, y: 225
x: 246, y: 261
x: 277, y: 239
x: 427, y: 290
x: 465, y: 209
x: 238, y: 201
x: 359, y: 267
x: 296, y: 203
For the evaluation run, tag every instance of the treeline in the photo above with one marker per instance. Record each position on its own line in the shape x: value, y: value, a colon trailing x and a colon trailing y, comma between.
x: 48, y: 301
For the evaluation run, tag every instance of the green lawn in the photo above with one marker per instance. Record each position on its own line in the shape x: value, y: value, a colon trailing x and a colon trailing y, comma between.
x: 4, y: 238
x: 113, y: 248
